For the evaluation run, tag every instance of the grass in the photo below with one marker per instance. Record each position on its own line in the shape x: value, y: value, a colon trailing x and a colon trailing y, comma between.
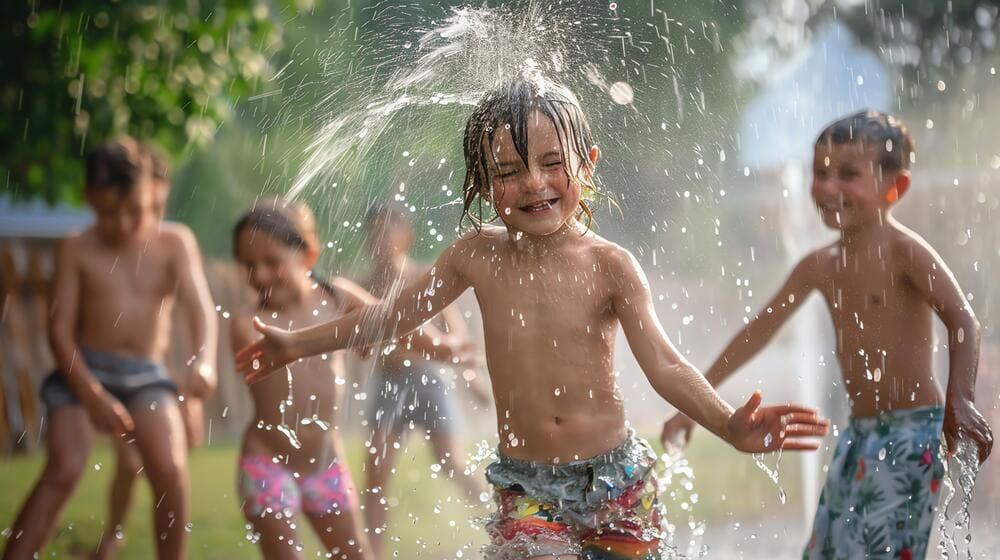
x: 426, y: 522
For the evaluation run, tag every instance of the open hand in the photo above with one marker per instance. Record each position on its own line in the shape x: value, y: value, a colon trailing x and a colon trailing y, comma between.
x: 963, y: 420
x: 263, y: 357
x: 676, y: 433
x: 757, y: 429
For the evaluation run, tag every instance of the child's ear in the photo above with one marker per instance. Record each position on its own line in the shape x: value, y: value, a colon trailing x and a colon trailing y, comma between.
x: 899, y: 186
x: 312, y: 254
x: 595, y: 154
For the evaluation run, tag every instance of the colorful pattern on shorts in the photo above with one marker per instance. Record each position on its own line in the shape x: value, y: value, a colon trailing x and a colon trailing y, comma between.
x: 881, y: 491
x: 627, y: 524
x: 266, y: 486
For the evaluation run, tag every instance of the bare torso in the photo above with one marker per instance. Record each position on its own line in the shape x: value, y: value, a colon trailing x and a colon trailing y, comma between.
x: 127, y: 293
x: 550, y: 330
x: 883, y: 326
x: 310, y: 398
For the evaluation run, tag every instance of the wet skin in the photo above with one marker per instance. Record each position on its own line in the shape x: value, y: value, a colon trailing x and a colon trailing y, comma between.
x: 552, y: 295
x: 882, y: 285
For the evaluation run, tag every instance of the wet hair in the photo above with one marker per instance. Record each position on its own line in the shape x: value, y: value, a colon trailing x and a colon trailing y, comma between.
x: 510, y: 106
x: 887, y: 133
x: 158, y: 166
x: 291, y: 223
x: 117, y: 164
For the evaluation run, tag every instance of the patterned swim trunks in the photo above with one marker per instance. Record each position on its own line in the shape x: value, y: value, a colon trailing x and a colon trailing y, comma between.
x: 266, y: 486
x: 602, y: 508
x: 882, y: 488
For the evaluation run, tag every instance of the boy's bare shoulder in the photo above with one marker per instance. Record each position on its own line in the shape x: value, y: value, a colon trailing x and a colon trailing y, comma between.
x: 610, y: 256
x: 78, y: 243
x: 179, y: 238
x: 820, y: 260
x: 910, y: 250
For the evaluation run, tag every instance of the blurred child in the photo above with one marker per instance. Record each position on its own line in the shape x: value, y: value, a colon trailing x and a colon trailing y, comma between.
x: 572, y: 480
x: 114, y: 287
x: 128, y: 463
x: 410, y: 389
x: 883, y: 285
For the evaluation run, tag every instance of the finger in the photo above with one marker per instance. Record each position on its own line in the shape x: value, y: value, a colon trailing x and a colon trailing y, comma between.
x: 260, y: 326
x: 799, y: 445
x: 804, y: 430
x: 753, y: 403
x: 792, y: 408
x: 804, y: 418
x: 247, y: 352
x: 949, y: 442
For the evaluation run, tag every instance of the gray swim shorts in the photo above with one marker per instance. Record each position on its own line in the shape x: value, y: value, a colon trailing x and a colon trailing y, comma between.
x: 134, y: 381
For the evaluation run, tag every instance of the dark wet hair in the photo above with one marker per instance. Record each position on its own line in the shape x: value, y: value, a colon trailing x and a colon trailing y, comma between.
x: 158, y: 166
x: 510, y: 105
x: 116, y: 164
x: 887, y: 133
x: 291, y: 223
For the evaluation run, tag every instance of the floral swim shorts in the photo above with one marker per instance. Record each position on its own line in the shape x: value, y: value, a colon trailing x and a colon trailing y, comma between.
x: 268, y: 487
x: 601, y: 508
x: 882, y: 488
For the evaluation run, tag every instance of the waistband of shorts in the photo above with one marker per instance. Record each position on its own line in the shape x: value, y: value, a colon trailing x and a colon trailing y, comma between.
x: 633, y: 450
x: 120, y: 364
x: 906, y: 417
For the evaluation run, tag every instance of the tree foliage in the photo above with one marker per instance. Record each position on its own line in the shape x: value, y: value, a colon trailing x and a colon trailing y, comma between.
x: 77, y: 72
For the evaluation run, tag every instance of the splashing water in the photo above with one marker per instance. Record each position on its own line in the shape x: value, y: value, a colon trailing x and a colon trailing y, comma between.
x: 283, y: 406
x: 961, y: 470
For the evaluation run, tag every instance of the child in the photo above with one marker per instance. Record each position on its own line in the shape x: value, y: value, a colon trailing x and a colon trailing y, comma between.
x: 571, y: 478
x: 410, y: 389
x: 292, y: 456
x: 114, y: 286
x: 882, y: 284
x: 128, y: 463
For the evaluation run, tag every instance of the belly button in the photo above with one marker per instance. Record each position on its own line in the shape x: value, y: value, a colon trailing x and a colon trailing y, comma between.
x: 558, y: 420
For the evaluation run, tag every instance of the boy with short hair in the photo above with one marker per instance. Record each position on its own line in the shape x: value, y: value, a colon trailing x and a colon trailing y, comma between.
x: 128, y: 463
x: 882, y: 284
x: 114, y: 286
x: 572, y: 480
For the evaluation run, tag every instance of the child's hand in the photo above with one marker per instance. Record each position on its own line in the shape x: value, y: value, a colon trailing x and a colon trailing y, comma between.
x: 108, y: 413
x: 963, y: 420
x: 260, y: 359
x: 200, y: 381
x: 757, y: 429
x: 676, y: 433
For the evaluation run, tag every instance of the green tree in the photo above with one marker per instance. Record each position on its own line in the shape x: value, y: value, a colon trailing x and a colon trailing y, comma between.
x: 77, y: 72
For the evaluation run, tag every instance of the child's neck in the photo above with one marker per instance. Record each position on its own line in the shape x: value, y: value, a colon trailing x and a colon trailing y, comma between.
x: 870, y: 233
x: 523, y: 242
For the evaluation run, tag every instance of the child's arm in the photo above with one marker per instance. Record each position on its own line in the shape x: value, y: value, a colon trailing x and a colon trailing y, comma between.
x: 106, y: 412
x: 749, y: 428
x: 931, y: 277
x: 417, y: 303
x: 426, y: 342
x: 749, y: 342
x: 196, y: 303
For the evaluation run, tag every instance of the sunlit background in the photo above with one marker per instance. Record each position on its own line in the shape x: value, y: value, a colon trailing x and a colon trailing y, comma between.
x: 705, y: 112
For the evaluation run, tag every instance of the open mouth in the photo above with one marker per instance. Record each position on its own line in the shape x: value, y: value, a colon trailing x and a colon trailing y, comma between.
x: 540, y: 206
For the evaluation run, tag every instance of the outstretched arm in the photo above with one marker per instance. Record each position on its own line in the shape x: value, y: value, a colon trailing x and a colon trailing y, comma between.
x: 370, y: 324
x: 749, y: 428
x: 750, y: 340
x: 931, y: 277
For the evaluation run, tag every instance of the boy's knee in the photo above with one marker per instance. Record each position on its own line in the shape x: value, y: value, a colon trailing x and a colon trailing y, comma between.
x: 64, y: 471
